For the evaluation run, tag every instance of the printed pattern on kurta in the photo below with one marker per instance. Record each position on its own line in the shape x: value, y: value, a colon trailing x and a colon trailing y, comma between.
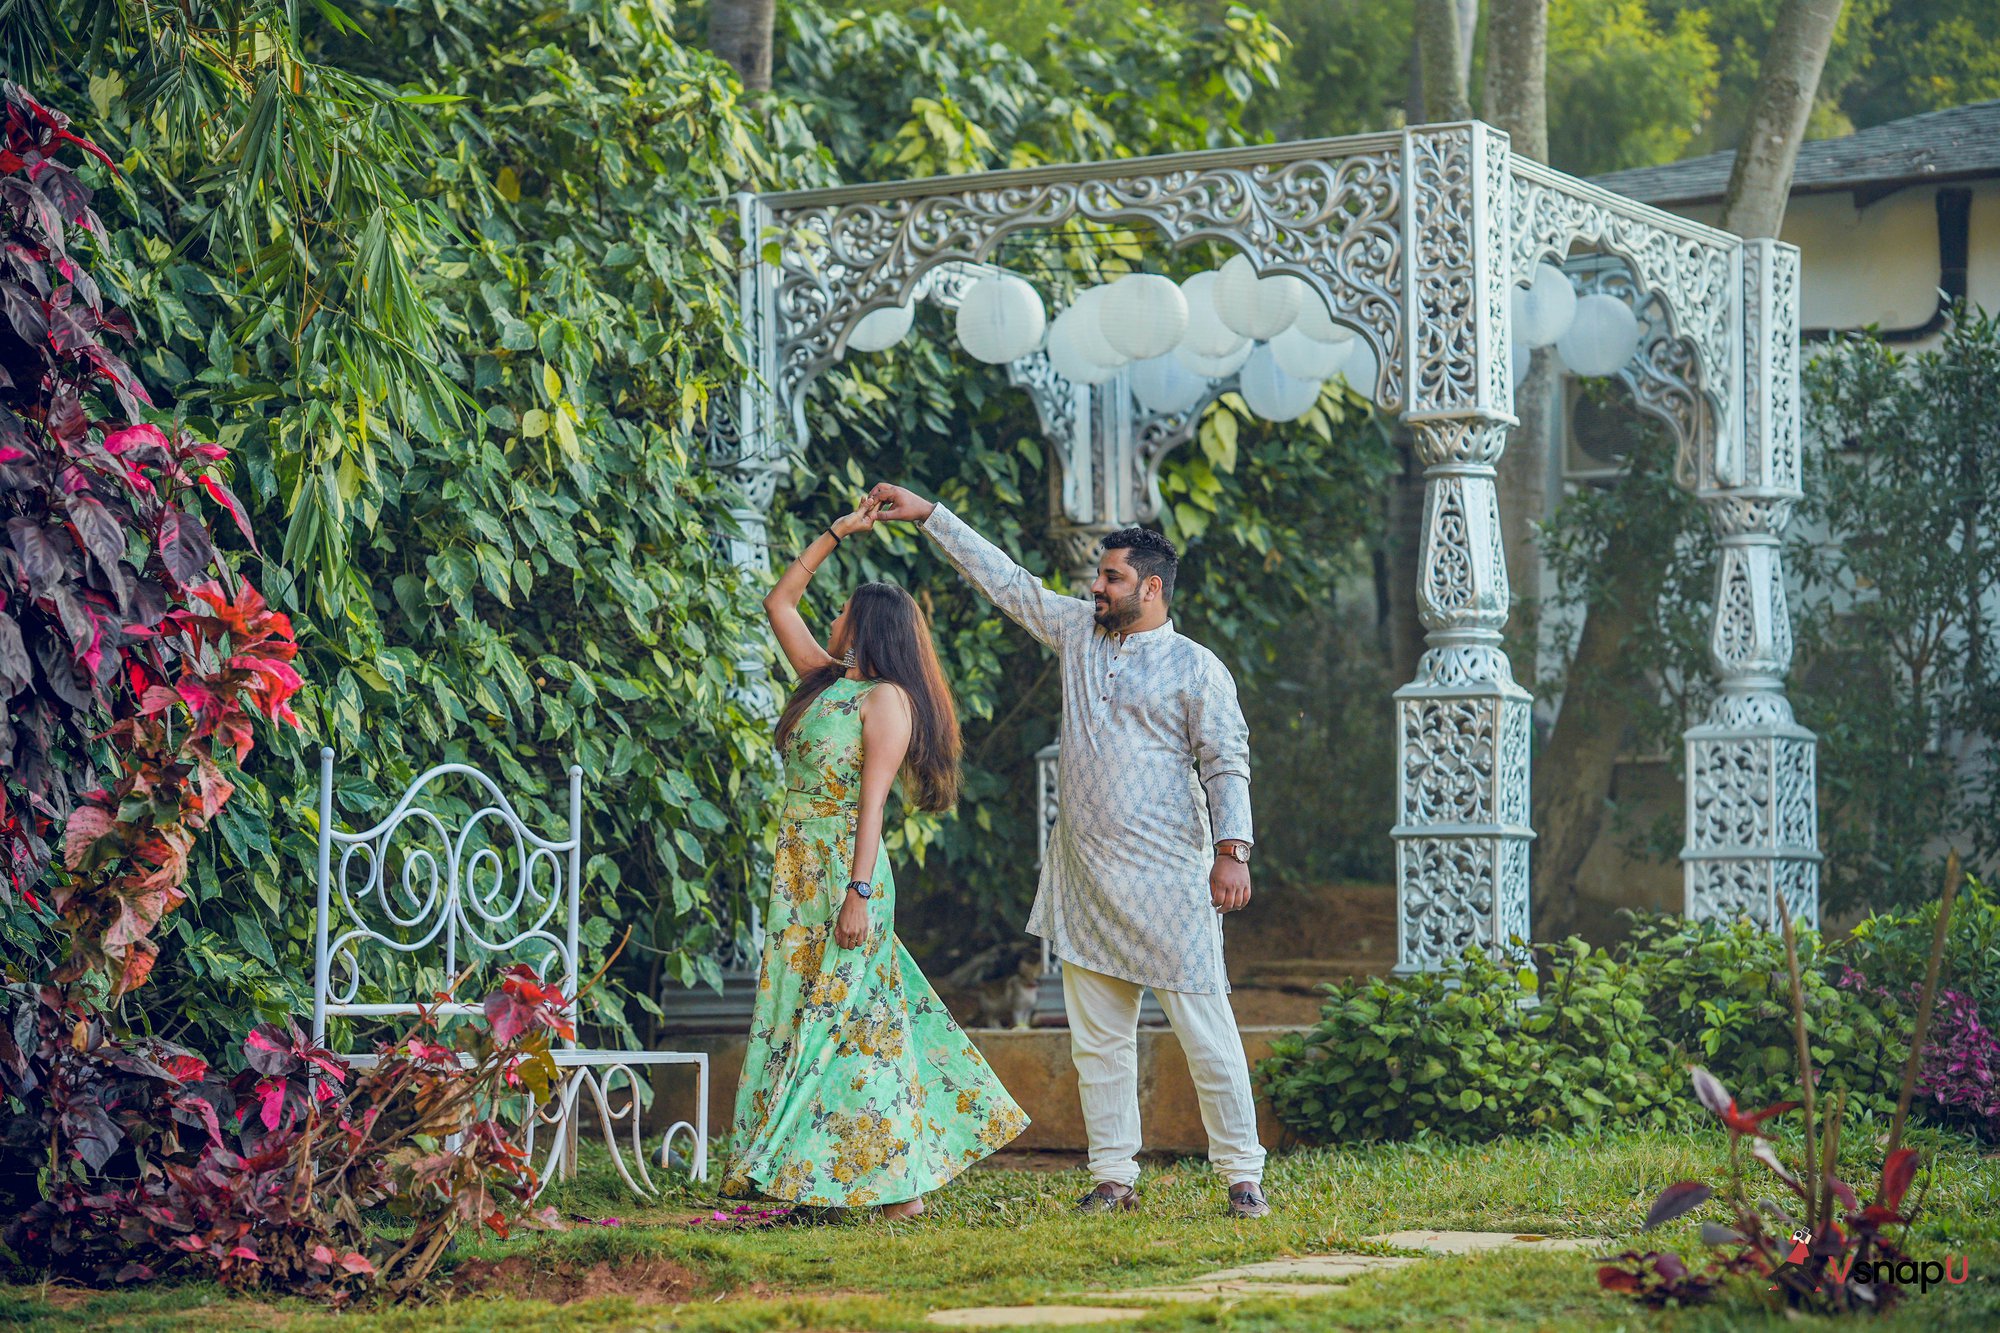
x: 1155, y: 769
x: 858, y: 1087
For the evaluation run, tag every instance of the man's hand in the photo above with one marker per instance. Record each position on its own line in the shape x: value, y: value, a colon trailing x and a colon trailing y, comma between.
x: 861, y: 520
x: 850, y: 928
x: 898, y: 503
x: 1229, y: 884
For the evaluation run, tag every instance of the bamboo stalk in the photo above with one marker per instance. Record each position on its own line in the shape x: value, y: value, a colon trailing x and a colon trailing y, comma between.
x: 1805, y: 1067
x: 1954, y: 875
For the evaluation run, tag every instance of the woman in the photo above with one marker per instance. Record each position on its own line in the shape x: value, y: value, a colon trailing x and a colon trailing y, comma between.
x: 858, y: 1088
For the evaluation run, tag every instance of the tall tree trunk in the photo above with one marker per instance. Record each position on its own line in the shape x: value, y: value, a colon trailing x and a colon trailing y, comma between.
x: 1468, y: 32
x: 1573, y: 773
x: 1440, y: 58
x: 1760, y: 182
x: 1517, y: 78
x: 1572, y: 781
x: 1516, y: 100
x: 740, y: 32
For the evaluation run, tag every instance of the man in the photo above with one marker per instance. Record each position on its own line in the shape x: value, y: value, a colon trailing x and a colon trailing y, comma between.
x: 1151, y: 843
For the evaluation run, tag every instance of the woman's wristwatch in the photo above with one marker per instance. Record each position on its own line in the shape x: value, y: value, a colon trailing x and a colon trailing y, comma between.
x: 861, y: 888
x: 1233, y: 847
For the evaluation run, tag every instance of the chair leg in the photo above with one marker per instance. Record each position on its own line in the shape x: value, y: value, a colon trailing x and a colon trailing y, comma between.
x: 571, y: 1138
x: 699, y: 1165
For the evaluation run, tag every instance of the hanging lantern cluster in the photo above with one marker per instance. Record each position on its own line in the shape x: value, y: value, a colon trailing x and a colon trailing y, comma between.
x: 1271, y: 331
x: 1593, y: 335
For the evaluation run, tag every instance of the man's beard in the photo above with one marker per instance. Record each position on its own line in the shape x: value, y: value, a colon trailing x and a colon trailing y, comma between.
x: 1115, y: 616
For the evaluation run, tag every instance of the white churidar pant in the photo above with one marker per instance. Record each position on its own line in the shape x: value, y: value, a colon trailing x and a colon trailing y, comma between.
x: 1104, y: 1042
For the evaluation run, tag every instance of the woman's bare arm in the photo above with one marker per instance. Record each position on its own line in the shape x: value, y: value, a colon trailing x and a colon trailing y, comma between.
x: 886, y: 723
x: 781, y: 604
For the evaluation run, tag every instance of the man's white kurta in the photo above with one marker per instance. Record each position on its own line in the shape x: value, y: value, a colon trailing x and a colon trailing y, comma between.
x: 1155, y: 769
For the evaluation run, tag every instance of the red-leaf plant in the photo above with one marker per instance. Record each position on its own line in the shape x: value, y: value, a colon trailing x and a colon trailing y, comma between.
x: 113, y: 624
x: 421, y: 1135
x: 1834, y: 1256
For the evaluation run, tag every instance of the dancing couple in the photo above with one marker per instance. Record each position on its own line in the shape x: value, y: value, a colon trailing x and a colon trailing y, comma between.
x: 858, y: 1088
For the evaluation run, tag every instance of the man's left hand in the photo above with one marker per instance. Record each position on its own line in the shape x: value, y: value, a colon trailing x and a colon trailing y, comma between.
x: 1229, y: 884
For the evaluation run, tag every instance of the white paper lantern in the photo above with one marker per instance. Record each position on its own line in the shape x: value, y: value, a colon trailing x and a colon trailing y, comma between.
x: 1089, y: 331
x: 1206, y: 334
x: 1143, y: 315
x: 1001, y: 319
x: 1271, y: 393
x: 1257, y: 307
x: 1362, y: 369
x: 1317, y: 324
x: 1602, y: 337
x: 1305, y: 358
x: 1162, y: 384
x: 1522, y: 357
x: 1068, y: 358
x: 1542, y: 312
x: 879, y: 330
x: 1215, y: 367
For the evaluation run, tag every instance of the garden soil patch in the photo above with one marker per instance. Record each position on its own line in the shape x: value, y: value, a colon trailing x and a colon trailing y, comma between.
x: 537, y: 1278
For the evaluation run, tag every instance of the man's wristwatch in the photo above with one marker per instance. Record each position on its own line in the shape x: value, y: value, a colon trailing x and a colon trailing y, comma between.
x: 861, y: 888
x: 1231, y: 847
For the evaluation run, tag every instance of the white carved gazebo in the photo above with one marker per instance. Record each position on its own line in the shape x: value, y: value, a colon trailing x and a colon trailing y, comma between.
x: 1413, y: 239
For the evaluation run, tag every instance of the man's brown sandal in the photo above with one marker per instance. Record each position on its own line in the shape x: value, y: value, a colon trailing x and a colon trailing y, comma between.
x: 1246, y: 1199
x: 1109, y: 1197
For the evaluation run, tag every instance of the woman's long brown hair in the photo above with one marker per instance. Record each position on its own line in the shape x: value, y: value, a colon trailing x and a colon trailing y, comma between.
x: 892, y: 641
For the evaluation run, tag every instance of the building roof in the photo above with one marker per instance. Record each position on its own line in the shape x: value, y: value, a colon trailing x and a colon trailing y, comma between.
x: 1953, y: 144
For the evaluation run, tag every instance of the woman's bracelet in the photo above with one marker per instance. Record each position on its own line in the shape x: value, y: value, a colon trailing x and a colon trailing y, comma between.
x: 836, y: 536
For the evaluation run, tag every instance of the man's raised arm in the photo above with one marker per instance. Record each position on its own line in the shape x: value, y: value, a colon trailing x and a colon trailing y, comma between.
x: 1046, y: 614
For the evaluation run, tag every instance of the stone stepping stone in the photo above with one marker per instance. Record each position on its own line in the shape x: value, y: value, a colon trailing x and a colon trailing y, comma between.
x: 1319, y: 1267
x: 1478, y: 1242
x: 1026, y: 1316
x: 1210, y: 1291
x: 1289, y: 1279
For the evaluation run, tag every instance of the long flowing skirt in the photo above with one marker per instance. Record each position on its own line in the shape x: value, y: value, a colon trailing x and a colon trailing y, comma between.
x: 858, y: 1087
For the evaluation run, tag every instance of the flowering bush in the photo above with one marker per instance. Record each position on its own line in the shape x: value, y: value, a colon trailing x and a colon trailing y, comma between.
x: 118, y: 621
x: 1960, y: 1068
x: 156, y: 1166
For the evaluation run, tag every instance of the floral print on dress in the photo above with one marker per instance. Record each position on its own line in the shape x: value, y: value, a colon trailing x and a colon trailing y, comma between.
x: 847, y: 1045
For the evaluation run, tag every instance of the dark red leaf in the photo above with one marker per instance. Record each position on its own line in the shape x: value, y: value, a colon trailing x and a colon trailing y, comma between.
x: 1676, y: 1200
x: 16, y: 672
x: 1897, y: 1173
x: 184, y: 546
x: 41, y: 556
x: 225, y: 497
x: 26, y: 311
x: 103, y: 536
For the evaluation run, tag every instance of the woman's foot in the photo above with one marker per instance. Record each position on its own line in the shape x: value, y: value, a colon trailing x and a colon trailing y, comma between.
x: 901, y: 1212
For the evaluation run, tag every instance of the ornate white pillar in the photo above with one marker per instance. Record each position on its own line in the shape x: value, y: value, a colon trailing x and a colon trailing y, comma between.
x: 1462, y: 725
x: 1752, y: 806
x: 751, y: 450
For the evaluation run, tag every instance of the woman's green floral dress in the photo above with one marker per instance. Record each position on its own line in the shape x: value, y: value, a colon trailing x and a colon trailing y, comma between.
x: 858, y: 1088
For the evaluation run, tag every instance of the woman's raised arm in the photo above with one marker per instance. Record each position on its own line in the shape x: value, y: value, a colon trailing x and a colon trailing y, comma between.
x: 781, y: 604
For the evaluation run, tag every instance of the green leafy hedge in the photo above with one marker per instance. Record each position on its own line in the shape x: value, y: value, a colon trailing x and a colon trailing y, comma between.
x: 444, y: 280
x: 1483, y: 1049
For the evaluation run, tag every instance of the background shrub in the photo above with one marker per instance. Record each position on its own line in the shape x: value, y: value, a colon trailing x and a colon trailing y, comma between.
x: 1482, y: 1049
x: 1476, y: 1051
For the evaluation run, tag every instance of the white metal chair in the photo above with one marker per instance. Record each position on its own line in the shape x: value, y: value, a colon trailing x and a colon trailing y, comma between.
x: 489, y: 889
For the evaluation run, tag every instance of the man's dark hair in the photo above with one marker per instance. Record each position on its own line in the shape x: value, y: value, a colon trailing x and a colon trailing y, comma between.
x: 1148, y: 553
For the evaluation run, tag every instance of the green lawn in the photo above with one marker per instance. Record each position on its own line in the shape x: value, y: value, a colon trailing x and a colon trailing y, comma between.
x: 1003, y: 1237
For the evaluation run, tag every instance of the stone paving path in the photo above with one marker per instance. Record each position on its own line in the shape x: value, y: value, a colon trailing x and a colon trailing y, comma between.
x: 1285, y: 1279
